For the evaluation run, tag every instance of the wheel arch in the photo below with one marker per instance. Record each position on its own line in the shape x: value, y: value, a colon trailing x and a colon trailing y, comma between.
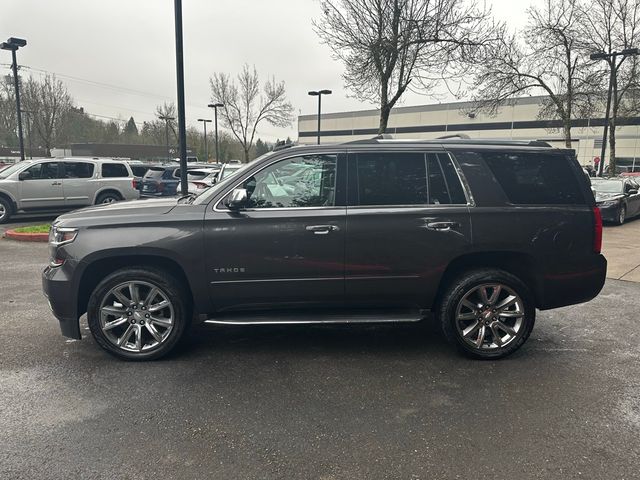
x: 108, y: 189
x: 520, y: 264
x: 7, y: 196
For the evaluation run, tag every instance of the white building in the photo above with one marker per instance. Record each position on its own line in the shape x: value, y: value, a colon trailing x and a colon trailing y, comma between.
x: 517, y: 120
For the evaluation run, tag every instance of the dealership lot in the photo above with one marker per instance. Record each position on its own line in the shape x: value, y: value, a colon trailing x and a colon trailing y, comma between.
x: 324, y: 402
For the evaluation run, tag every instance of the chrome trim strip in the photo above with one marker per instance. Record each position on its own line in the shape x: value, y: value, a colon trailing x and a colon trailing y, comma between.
x: 269, y: 280
x: 383, y: 277
x: 314, y: 322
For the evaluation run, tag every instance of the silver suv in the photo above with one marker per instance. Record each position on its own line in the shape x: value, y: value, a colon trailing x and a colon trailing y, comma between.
x: 56, y: 184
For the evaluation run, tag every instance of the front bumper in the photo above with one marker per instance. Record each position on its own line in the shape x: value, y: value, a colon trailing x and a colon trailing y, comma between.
x: 58, y: 289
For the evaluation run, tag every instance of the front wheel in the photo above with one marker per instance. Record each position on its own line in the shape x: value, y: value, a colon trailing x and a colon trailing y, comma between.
x: 138, y: 313
x: 107, y: 197
x: 622, y: 215
x: 5, y: 210
x: 487, y: 313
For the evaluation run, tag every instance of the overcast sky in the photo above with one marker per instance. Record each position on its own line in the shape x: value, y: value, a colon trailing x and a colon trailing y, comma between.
x: 117, y: 57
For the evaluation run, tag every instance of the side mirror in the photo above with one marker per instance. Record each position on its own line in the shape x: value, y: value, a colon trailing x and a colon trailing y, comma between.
x: 238, y: 199
x: 24, y: 176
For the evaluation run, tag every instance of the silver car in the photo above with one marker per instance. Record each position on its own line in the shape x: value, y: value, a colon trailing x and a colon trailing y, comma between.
x: 57, y: 184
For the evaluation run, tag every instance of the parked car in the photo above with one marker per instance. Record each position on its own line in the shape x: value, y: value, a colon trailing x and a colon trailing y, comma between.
x: 617, y: 198
x: 139, y: 170
x: 200, y: 179
x: 163, y: 180
x: 477, y: 234
x: 58, y: 184
x: 227, y: 169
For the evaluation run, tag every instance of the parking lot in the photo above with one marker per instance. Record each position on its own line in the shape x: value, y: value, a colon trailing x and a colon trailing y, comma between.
x: 324, y: 402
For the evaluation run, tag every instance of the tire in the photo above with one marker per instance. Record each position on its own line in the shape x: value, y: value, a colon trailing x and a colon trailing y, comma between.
x: 108, y: 197
x: 622, y: 215
x: 503, y: 329
x: 144, y: 330
x: 6, y: 210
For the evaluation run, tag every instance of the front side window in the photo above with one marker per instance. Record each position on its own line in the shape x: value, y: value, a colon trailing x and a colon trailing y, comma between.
x: 408, y: 179
x: 305, y: 181
x: 43, y: 171
x: 114, y: 170
x: 78, y: 170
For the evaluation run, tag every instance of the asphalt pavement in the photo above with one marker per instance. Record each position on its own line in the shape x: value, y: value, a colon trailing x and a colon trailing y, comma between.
x: 318, y: 402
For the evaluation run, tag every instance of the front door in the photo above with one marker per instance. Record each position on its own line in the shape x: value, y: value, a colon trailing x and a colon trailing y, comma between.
x: 407, y: 218
x: 76, y: 183
x: 41, y: 187
x: 286, y: 248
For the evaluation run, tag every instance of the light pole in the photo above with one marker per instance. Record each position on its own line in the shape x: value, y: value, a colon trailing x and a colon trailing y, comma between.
x: 215, y: 107
x: 182, y: 123
x: 13, y: 44
x: 610, y: 59
x: 206, y: 146
x: 29, y: 120
x: 319, y: 94
x: 167, y: 119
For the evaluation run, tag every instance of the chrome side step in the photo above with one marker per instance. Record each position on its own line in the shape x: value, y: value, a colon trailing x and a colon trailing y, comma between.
x: 289, y: 318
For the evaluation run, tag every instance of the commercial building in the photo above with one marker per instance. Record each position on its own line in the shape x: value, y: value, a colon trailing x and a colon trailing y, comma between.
x: 516, y: 120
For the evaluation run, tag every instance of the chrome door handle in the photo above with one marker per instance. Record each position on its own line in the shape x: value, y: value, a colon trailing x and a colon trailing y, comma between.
x: 321, y: 229
x: 442, y: 226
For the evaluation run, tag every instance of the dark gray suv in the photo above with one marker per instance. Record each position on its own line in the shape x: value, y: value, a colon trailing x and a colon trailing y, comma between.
x: 478, y: 234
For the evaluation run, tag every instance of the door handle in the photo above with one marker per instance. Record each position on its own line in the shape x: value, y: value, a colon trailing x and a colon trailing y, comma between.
x: 56, y: 183
x: 442, y: 226
x: 321, y: 229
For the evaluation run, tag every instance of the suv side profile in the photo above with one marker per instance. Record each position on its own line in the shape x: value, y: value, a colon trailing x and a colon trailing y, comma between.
x: 476, y: 234
x: 59, y: 184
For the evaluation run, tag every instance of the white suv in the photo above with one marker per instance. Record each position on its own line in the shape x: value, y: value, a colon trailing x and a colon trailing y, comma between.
x: 56, y: 184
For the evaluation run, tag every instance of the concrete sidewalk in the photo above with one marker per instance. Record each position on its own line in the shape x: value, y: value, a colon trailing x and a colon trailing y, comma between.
x: 621, y: 247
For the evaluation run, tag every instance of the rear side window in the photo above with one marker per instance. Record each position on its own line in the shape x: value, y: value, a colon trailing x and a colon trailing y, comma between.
x: 78, y: 170
x: 114, y: 170
x: 154, y: 172
x: 408, y: 179
x: 535, y: 178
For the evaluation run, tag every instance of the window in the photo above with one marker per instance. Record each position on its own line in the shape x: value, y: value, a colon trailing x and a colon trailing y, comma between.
x: 307, y: 181
x: 535, y: 178
x: 78, y: 170
x: 43, y: 171
x: 408, y: 179
x: 154, y: 172
x: 114, y: 170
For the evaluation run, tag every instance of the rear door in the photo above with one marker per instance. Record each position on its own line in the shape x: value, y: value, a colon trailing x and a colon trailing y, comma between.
x: 407, y: 218
x: 76, y: 184
x: 43, y: 187
x: 633, y: 199
x: 286, y: 248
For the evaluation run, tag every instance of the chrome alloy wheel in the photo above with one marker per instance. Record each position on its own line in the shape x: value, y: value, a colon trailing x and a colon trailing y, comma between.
x: 3, y: 211
x: 136, y: 316
x: 109, y: 199
x: 490, y: 316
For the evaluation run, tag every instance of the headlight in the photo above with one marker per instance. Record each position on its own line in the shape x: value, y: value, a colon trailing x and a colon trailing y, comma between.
x: 61, y: 235
x: 608, y: 203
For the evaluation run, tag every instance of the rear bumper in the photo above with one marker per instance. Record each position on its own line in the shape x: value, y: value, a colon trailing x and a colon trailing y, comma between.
x: 570, y: 285
x: 57, y: 287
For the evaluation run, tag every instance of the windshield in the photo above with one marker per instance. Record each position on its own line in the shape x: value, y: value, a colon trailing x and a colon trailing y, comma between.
x: 608, y: 186
x: 210, y: 192
x: 16, y: 167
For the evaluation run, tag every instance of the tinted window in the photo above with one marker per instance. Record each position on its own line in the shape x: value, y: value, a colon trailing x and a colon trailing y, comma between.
x: 46, y: 170
x: 139, y: 170
x: 408, y: 179
x: 392, y: 179
x: 535, y: 178
x: 113, y: 170
x: 154, y: 172
x: 78, y: 170
x: 308, y: 181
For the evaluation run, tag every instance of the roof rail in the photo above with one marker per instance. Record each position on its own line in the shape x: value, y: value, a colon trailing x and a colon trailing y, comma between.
x: 455, y: 135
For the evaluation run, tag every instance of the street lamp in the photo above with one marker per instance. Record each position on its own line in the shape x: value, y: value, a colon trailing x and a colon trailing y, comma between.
x: 13, y: 44
x: 206, y: 146
x: 167, y: 119
x: 182, y: 123
x: 319, y: 94
x: 610, y: 58
x: 215, y: 107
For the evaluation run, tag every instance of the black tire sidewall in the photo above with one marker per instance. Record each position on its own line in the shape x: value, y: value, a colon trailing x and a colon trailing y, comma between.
x: 102, y: 196
x: 8, y: 209
x: 622, y: 215
x: 178, y: 297
x: 470, y: 280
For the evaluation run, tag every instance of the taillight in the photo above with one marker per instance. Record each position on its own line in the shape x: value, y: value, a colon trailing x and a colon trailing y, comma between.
x: 200, y: 185
x: 160, y: 186
x: 134, y: 184
x: 597, y: 230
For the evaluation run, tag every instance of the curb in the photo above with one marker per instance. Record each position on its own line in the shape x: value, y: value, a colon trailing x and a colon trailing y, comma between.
x: 27, y: 237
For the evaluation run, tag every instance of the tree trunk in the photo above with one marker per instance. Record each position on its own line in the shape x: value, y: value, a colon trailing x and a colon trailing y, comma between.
x: 567, y: 132
x: 246, y: 154
x: 612, y: 144
x: 384, y: 119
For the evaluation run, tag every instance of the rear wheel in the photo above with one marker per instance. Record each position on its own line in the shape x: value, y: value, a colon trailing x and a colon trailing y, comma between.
x: 138, y: 314
x: 5, y: 210
x: 622, y: 215
x: 108, y: 197
x: 487, y: 313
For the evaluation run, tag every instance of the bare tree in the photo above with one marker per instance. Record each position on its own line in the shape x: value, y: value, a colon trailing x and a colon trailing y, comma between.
x: 49, y: 103
x: 389, y: 46
x: 8, y: 122
x: 245, y: 105
x: 548, y: 57
x: 613, y: 26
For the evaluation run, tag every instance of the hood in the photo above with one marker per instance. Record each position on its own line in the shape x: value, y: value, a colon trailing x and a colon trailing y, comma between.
x: 603, y: 197
x: 120, y: 212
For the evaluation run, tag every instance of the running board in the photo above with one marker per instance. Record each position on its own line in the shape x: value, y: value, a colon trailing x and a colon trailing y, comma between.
x: 292, y: 318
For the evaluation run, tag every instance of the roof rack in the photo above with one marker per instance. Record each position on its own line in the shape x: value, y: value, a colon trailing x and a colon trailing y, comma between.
x: 454, y: 139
